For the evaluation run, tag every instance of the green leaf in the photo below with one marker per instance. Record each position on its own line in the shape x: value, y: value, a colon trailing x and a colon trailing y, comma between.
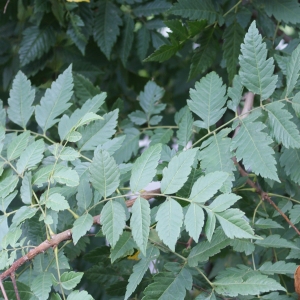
x: 208, y: 99
x: 204, y: 296
x: 84, y: 196
x: 79, y: 295
x: 242, y: 245
x: 98, y: 132
x: 164, y: 52
x: 234, y: 224
x: 69, y: 280
x: 279, y: 267
x: 152, y: 8
x: 69, y: 154
x: 143, y: 41
x: 66, y: 176
x: 295, y: 214
x: 140, y: 269
x: 32, y: 155
x: 162, y: 136
x: 105, y: 173
x: 235, y: 93
x: 140, y: 223
x: 167, y: 284
x: 283, y: 10
x: 144, y: 168
x: 20, y: 101
x: 215, y: 155
x: 275, y: 241
x: 232, y: 286
x: 17, y: 145
x: 88, y: 118
x: 41, y: 285
x: 113, y: 219
x: 252, y: 145
x: 233, y: 37
x: 127, y: 38
x: 290, y: 161
x: 111, y: 146
x: 194, y: 221
x: 138, y: 117
x: 256, y: 71
x: 267, y: 224
x: 293, y: 68
x: 204, y: 250
x: 223, y: 202
x: 67, y: 124
x: 283, y: 129
x: 35, y: 43
x: 169, y: 220
x: 296, y: 104
x: 207, y: 186
x: 81, y: 226
x: 195, y: 10
x: 179, y: 30
x: 185, y: 130
x: 8, y: 184
x: 205, y: 55
x: 26, y: 189
x: 55, y: 100
x: 124, y: 247
x: 23, y: 213
x: 176, y: 174
x: 106, y: 26
x: 57, y: 202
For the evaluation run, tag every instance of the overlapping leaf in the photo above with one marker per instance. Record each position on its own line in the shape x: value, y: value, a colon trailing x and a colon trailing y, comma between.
x: 293, y: 68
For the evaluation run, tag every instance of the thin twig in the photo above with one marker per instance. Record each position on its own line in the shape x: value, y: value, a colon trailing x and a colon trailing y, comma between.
x: 3, y: 290
x: 5, y: 7
x: 13, y: 279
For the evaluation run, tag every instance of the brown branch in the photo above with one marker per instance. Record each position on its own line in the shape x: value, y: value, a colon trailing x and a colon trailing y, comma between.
x: 13, y: 279
x: 53, y: 242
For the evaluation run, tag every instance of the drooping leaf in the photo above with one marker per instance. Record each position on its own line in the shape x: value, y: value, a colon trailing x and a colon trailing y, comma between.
x: 144, y: 168
x: 81, y: 226
x: 32, y: 155
x: 256, y: 70
x: 106, y: 26
x: 113, y: 221
x: 143, y: 41
x: 20, y: 101
x: 290, y: 160
x: 104, y: 173
x: 169, y: 220
x: 283, y: 129
x: 208, y: 99
x: 26, y: 189
x: 176, y: 174
x: 210, y: 224
x: 55, y: 101
x: 168, y: 284
x: 36, y: 41
x: 279, y: 267
x: 293, y: 68
x: 194, y: 221
x: 140, y: 223
x: 41, y: 285
x: 233, y: 37
x: 185, y: 130
x: 202, y: 251
x: 84, y: 196
x: 140, y: 269
x: 252, y: 145
x: 127, y: 38
x: 235, y: 93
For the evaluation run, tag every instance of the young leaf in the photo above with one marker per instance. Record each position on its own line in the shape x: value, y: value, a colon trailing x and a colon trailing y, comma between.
x: 256, y: 71
x: 81, y: 226
x: 233, y: 37
x: 208, y: 100
x: 293, y: 68
x: 206, y: 186
x: 106, y: 27
x: 17, y: 146
x: 32, y: 155
x: 168, y: 284
x: 169, y: 220
x: 215, y: 155
x: 232, y: 286
x: 70, y: 279
x: 140, y: 269
x: 140, y: 223
x: 204, y: 250
x: 252, y: 145
x: 234, y: 225
x: 55, y: 101
x: 20, y: 102
x: 113, y: 221
x: 283, y: 129
x: 105, y: 173
x: 279, y: 267
x: 144, y: 168
x: 176, y: 174
x: 194, y: 221
x: 41, y: 285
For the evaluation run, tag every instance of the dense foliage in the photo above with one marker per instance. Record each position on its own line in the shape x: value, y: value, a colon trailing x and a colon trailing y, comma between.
x: 140, y: 165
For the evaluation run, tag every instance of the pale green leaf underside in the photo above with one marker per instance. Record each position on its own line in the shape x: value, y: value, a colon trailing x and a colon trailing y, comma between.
x: 279, y: 267
x: 81, y: 226
x: 194, y: 221
x: 41, y: 285
x: 275, y: 241
x: 292, y: 70
x: 290, y: 160
x: 70, y: 279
